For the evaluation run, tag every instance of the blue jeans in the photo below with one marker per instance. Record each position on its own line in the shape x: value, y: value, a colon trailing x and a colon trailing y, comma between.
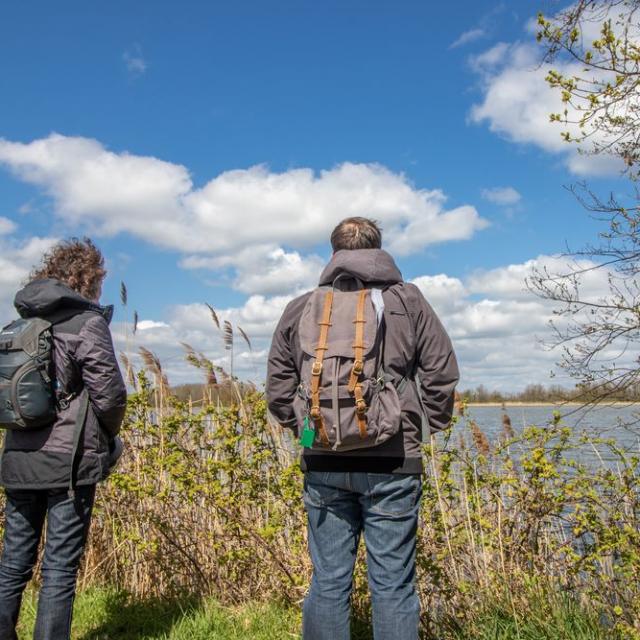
x: 67, y: 528
x: 340, y: 506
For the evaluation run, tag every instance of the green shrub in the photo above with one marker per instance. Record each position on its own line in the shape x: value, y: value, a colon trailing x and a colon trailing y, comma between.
x: 207, y: 502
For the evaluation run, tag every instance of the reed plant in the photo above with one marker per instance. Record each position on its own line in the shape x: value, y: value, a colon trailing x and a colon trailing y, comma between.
x: 207, y: 502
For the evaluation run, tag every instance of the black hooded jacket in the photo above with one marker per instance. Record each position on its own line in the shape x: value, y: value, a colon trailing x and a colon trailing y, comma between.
x: 83, y: 359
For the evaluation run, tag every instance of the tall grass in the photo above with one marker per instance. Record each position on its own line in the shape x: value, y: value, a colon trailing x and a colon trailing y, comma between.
x: 207, y: 502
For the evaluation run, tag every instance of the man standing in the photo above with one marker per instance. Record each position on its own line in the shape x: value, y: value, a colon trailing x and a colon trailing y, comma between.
x: 354, y: 367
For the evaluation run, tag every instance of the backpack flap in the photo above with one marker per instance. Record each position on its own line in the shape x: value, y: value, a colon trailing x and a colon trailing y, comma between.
x: 342, y: 330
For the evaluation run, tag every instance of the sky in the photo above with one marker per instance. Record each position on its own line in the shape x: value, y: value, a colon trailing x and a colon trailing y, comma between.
x: 209, y: 148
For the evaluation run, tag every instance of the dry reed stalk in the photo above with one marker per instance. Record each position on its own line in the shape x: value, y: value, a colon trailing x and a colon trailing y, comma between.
x: 507, y: 429
x: 500, y: 540
x: 442, y: 509
x: 465, y: 499
x: 482, y: 537
x: 480, y: 439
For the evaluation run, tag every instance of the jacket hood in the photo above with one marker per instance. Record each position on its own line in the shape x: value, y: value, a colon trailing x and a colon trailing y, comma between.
x: 369, y: 265
x: 48, y: 296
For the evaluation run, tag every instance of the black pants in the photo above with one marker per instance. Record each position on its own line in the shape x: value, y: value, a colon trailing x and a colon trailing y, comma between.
x: 67, y: 528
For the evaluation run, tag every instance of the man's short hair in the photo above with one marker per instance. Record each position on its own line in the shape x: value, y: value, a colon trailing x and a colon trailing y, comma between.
x: 356, y: 233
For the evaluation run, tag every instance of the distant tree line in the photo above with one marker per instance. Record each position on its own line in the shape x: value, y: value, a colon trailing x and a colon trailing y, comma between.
x: 225, y: 392
x: 553, y: 393
x: 228, y: 392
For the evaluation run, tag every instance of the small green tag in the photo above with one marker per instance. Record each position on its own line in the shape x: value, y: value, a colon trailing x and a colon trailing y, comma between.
x: 308, y: 434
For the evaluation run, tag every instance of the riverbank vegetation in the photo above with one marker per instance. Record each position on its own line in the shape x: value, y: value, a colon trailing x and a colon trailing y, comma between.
x: 206, y: 507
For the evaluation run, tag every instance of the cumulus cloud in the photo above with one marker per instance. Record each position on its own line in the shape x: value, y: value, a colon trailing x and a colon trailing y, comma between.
x: 517, y: 102
x: 109, y: 193
x: 192, y: 324
x: 264, y: 269
x: 496, y: 326
x: 17, y: 258
x: 445, y: 294
x: 486, y: 61
x: 508, y: 282
x: 503, y: 196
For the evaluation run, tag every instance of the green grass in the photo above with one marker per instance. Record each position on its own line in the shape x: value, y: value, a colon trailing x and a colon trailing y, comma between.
x: 102, y: 614
x: 108, y: 615
x: 559, y: 618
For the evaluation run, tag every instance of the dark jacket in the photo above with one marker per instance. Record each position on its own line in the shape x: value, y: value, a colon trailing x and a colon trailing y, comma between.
x: 416, y: 346
x: 83, y: 359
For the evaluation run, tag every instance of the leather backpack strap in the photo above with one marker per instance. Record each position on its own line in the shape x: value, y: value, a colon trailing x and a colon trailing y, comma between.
x: 316, y: 369
x: 354, y: 385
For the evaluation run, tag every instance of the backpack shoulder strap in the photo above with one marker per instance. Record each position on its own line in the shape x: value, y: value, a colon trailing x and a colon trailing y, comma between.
x: 316, y: 369
x: 354, y: 385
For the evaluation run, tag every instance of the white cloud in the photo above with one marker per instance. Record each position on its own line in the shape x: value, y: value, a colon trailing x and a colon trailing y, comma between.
x: 468, y: 36
x: 445, y: 294
x: 7, y: 226
x: 17, y: 259
x: 517, y: 102
x: 486, y: 61
x: 145, y: 325
x: 237, y: 214
x: 192, y: 324
x: 503, y: 196
x: 156, y: 200
x: 265, y: 269
x: 496, y: 326
x: 243, y: 220
x: 509, y: 282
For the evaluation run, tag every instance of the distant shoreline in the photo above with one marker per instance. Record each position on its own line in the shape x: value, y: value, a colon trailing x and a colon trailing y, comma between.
x: 518, y: 403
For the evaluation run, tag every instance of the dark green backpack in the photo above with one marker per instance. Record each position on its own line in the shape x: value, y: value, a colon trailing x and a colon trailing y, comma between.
x: 27, y: 394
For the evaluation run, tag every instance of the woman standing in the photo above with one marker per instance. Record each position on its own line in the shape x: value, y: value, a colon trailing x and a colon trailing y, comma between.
x: 50, y: 474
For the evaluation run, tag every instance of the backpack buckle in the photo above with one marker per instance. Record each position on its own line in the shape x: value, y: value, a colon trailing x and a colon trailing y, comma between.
x: 316, y: 369
x: 361, y: 407
x: 358, y: 367
x: 64, y: 402
x: 314, y: 412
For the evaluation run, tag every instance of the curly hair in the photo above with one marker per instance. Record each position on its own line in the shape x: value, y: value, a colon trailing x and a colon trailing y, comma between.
x: 77, y: 263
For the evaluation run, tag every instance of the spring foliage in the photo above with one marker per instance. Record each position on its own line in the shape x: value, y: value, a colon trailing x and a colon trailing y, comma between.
x: 207, y: 501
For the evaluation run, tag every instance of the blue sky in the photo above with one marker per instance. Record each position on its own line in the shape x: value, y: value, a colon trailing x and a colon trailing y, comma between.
x: 414, y: 97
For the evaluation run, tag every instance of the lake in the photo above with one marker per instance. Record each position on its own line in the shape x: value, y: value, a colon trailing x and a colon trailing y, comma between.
x: 618, y: 422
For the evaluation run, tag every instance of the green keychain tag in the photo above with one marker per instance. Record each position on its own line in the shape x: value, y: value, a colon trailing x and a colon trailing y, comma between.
x: 308, y: 434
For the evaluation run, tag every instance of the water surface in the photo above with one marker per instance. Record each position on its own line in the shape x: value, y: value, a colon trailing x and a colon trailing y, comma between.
x: 617, y: 422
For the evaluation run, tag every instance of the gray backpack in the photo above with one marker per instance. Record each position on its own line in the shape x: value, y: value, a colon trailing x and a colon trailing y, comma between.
x: 345, y: 400
x: 28, y: 398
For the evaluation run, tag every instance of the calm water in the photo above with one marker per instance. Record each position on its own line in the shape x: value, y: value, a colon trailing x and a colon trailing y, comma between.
x: 620, y: 423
